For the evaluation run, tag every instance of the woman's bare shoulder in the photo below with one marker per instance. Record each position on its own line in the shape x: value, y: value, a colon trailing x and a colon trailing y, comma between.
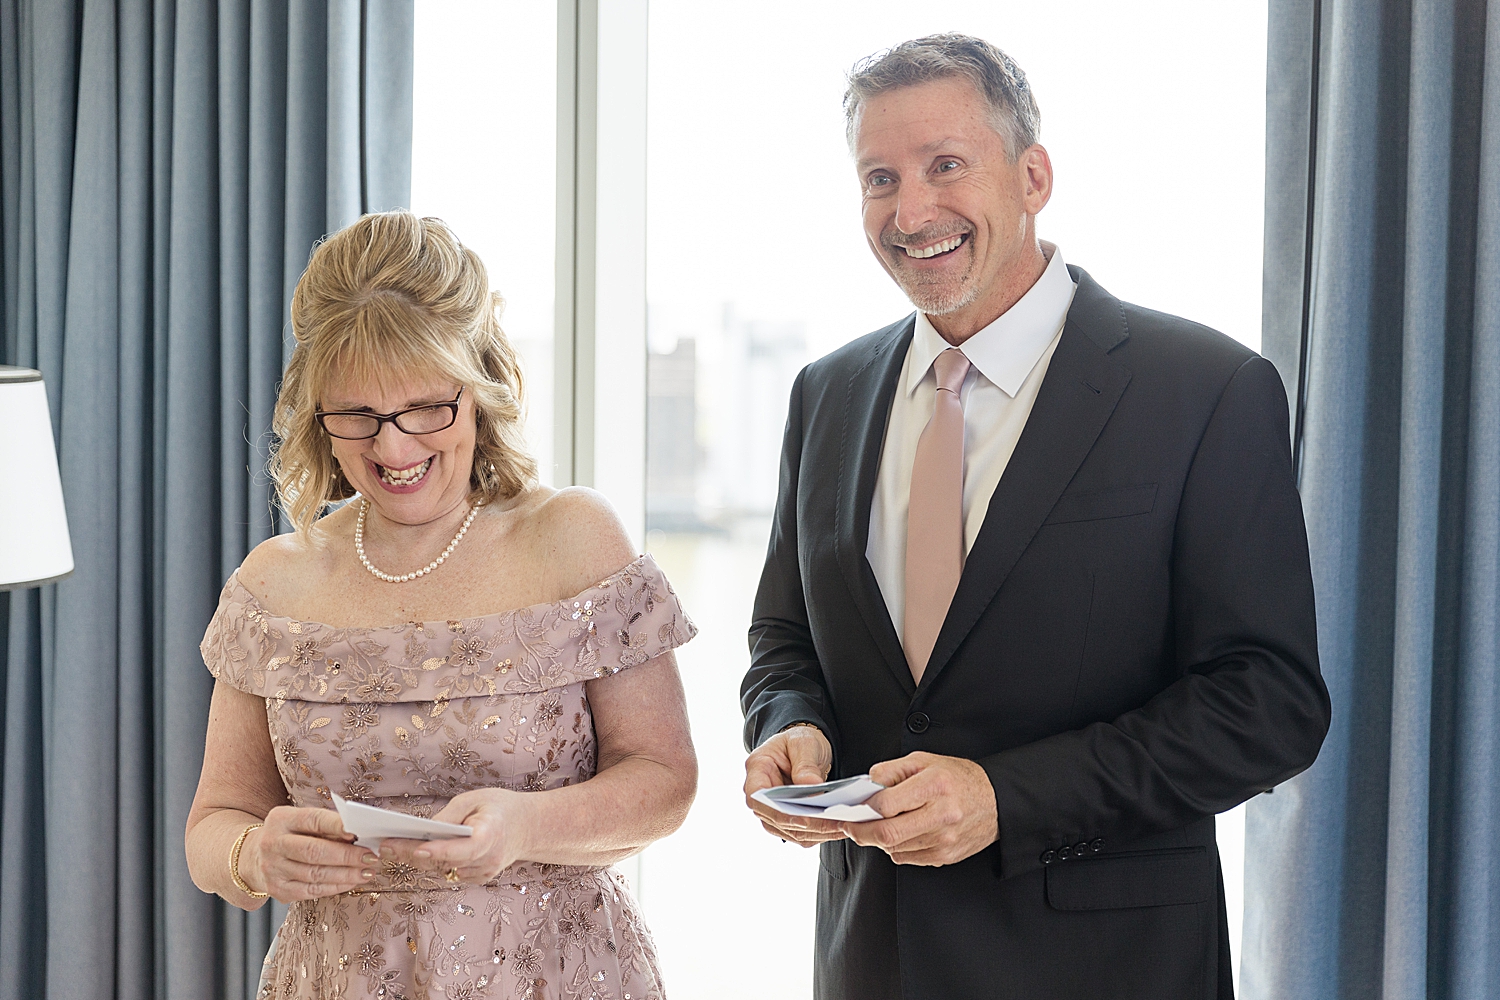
x: 578, y: 532
x: 279, y: 569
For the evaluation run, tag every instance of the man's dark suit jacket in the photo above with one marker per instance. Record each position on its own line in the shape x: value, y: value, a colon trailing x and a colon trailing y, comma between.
x: 1131, y: 650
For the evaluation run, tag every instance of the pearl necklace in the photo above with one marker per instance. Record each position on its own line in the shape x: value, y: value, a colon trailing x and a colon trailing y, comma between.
x: 359, y: 546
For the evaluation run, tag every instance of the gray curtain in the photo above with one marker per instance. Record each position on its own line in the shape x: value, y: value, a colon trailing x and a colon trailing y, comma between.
x: 164, y: 171
x: 1376, y: 874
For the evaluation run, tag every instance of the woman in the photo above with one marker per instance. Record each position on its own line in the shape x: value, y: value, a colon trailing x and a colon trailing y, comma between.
x: 452, y: 643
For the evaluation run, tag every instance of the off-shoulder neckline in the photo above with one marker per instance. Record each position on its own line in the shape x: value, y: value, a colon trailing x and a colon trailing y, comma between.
x: 582, y: 595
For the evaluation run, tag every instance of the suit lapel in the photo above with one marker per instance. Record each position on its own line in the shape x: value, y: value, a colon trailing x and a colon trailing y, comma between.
x: 867, y: 408
x: 1075, y: 401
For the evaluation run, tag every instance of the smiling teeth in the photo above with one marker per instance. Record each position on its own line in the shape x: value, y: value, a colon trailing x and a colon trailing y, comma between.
x: 937, y: 248
x: 406, y: 476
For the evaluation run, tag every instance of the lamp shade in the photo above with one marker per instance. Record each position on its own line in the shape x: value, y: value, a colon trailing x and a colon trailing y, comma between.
x: 34, y: 545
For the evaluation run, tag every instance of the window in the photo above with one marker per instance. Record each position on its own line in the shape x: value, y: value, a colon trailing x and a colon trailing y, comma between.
x: 485, y: 162
x: 1154, y: 116
x: 755, y: 265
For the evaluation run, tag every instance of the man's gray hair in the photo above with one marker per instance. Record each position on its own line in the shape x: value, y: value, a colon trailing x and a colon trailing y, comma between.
x: 994, y: 74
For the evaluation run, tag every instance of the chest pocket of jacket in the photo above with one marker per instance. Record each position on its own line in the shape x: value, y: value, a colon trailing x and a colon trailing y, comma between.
x: 1100, y: 504
x: 1122, y: 881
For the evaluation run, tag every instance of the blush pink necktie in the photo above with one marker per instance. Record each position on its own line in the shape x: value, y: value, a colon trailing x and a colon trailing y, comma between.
x: 935, y: 519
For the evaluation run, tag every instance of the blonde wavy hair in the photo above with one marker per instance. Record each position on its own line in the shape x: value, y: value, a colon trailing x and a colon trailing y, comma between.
x: 396, y: 296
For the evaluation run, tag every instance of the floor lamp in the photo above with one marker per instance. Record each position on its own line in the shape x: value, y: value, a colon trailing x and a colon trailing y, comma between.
x: 34, y: 544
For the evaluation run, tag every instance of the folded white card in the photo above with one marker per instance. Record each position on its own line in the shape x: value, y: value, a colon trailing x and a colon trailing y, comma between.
x: 371, y: 824
x: 840, y: 800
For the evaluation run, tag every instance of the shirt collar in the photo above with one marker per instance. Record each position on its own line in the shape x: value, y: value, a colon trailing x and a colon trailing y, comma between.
x: 1008, y: 349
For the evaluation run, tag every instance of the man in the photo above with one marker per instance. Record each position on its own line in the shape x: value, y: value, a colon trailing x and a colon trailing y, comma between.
x: 1039, y: 567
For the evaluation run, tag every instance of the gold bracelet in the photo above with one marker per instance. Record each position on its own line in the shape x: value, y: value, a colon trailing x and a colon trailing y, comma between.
x: 234, y: 864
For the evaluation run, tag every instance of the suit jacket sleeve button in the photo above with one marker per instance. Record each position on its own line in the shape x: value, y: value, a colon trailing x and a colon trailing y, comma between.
x: 1048, y: 857
x: 1097, y: 845
x: 918, y: 722
x: 1064, y: 852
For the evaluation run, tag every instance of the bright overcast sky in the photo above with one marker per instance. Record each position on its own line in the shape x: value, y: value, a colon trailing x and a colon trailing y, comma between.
x: 1153, y: 113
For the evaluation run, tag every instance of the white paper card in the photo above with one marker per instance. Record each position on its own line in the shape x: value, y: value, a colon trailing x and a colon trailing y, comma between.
x: 838, y: 800
x: 371, y: 824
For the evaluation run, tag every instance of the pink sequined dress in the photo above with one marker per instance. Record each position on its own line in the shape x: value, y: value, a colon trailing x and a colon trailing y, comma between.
x: 407, y: 716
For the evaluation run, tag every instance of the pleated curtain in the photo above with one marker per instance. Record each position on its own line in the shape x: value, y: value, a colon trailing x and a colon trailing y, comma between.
x: 165, y: 169
x: 1376, y: 874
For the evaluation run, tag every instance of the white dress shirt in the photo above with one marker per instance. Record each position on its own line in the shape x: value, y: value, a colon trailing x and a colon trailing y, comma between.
x: 1008, y: 361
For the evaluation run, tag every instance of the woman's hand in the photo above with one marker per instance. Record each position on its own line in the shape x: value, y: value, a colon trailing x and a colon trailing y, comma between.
x: 495, y: 814
x: 303, y: 854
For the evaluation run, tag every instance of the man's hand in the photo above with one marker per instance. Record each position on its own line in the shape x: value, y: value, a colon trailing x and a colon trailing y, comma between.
x: 796, y: 756
x: 939, y: 810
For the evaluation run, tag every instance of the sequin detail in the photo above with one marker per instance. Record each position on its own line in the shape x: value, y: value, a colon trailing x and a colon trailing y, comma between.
x: 407, y: 716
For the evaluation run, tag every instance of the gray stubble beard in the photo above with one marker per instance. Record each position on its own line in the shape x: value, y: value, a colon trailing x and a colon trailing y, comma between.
x: 930, y: 301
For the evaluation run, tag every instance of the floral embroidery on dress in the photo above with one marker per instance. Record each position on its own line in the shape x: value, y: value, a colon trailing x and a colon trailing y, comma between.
x: 406, y: 717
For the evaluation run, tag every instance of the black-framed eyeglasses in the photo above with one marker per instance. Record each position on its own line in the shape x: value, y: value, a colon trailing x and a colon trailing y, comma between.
x: 359, y: 425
